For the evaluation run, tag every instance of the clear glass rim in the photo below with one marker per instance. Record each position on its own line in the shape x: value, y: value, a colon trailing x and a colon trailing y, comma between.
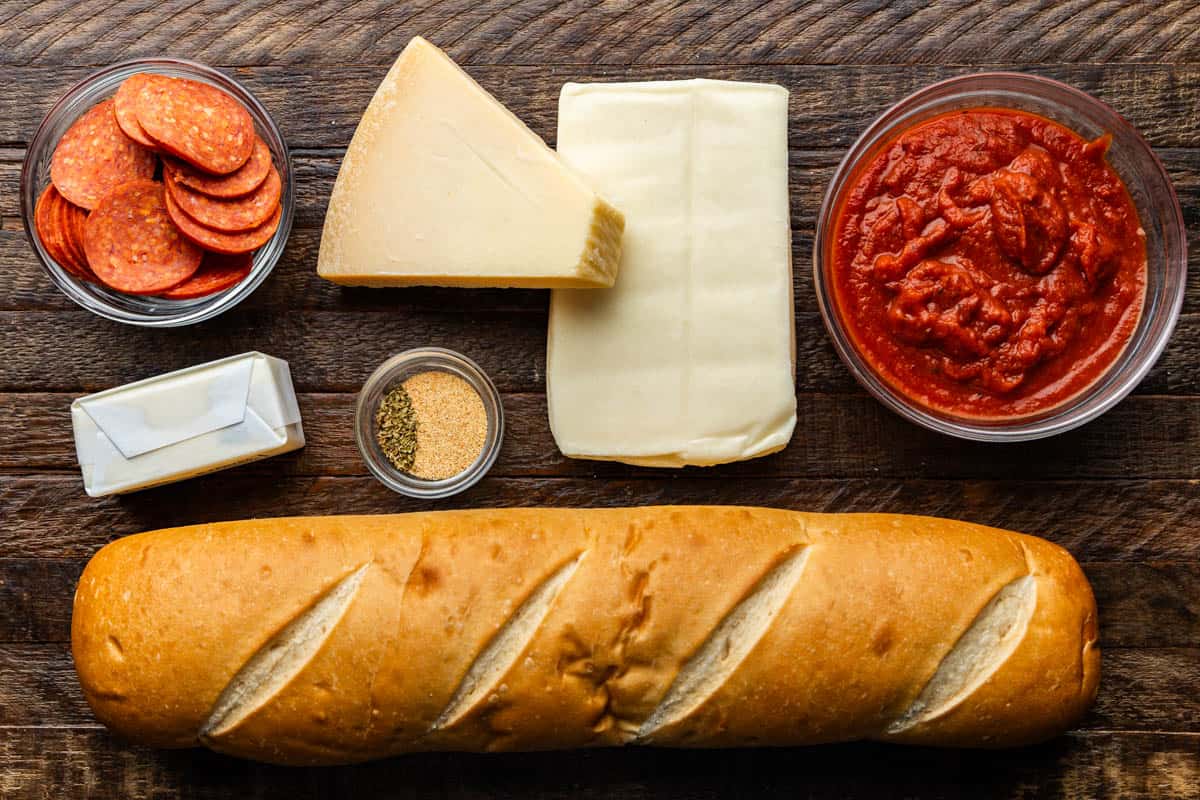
x: 1102, y: 394
x: 190, y: 312
x: 434, y: 358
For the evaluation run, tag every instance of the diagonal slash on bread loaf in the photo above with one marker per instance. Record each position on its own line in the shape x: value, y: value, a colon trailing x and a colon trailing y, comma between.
x: 537, y: 628
x: 981, y: 649
x: 977, y: 654
x: 731, y: 641
x: 506, y: 647
x: 281, y: 658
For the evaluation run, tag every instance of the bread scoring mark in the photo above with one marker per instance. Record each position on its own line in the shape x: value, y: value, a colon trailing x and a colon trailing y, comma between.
x: 506, y: 646
x: 727, y: 646
x: 979, y: 652
x: 274, y: 664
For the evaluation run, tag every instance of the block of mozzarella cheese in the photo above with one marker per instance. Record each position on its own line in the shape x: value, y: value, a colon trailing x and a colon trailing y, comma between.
x: 443, y: 186
x: 690, y: 358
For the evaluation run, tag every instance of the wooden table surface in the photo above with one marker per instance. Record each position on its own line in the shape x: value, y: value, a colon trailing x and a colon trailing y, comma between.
x: 1122, y: 493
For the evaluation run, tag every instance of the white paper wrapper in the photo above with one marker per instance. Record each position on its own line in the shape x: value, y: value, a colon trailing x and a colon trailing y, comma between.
x: 186, y: 423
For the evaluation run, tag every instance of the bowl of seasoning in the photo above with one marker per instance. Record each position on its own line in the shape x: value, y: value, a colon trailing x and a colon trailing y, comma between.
x: 1000, y: 257
x: 157, y: 192
x: 429, y: 423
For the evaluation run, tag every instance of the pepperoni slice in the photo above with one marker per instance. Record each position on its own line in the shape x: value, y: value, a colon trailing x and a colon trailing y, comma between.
x: 59, y: 228
x: 229, y: 216
x: 133, y: 246
x: 195, y: 122
x: 95, y: 156
x: 54, y: 218
x: 80, y: 226
x: 46, y: 221
x: 236, y: 184
x: 216, y: 274
x: 126, y: 115
x: 69, y: 216
x: 219, y: 241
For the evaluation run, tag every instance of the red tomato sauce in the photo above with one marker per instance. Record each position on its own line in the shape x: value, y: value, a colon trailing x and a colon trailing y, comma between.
x: 989, y: 263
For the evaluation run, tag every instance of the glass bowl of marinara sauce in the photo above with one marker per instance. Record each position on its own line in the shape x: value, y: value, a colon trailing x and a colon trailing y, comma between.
x: 1000, y: 257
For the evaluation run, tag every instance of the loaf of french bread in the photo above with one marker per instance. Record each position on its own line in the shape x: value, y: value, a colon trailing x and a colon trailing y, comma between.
x: 327, y: 640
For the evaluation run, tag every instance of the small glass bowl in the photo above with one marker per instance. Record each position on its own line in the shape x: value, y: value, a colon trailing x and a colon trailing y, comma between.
x: 1152, y: 193
x: 396, y: 370
x: 153, y: 312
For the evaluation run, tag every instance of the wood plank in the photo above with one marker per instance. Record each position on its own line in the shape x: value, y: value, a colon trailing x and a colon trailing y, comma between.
x: 327, y: 350
x: 38, y: 687
x: 56, y: 762
x: 295, y: 285
x: 50, y: 516
x: 850, y: 436
x: 1148, y: 690
x: 1146, y: 605
x: 336, y: 351
x: 36, y: 595
x: 1142, y: 605
x: 1120, y: 494
x: 319, y: 106
x: 1144, y: 690
x: 620, y: 32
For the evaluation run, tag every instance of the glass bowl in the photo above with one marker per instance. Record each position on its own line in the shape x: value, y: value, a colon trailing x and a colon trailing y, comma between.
x: 396, y: 370
x: 151, y: 312
x: 1152, y: 193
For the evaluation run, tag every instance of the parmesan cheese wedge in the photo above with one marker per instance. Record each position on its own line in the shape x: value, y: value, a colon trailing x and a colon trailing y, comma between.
x: 689, y: 358
x: 444, y: 186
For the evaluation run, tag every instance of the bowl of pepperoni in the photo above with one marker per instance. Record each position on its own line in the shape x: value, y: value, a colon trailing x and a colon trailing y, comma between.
x: 157, y: 192
x: 1000, y: 257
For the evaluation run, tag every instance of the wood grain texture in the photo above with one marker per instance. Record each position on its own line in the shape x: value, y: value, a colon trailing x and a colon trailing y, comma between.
x: 1146, y: 520
x: 837, y: 436
x: 1138, y: 521
x: 611, y: 33
x: 1123, y: 494
x: 319, y: 107
x: 335, y: 351
x: 59, y: 762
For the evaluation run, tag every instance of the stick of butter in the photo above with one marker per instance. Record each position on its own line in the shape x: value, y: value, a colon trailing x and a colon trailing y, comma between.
x: 186, y: 423
x: 444, y: 186
x: 690, y: 358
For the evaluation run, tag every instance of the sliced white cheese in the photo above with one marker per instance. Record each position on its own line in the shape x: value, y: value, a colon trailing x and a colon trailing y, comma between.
x: 443, y: 186
x: 689, y: 359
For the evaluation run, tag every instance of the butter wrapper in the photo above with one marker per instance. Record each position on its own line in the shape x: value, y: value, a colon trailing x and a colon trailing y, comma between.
x: 186, y: 423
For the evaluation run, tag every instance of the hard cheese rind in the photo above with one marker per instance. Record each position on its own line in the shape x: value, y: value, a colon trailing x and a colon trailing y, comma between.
x: 443, y: 186
x: 186, y: 423
x: 689, y: 359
